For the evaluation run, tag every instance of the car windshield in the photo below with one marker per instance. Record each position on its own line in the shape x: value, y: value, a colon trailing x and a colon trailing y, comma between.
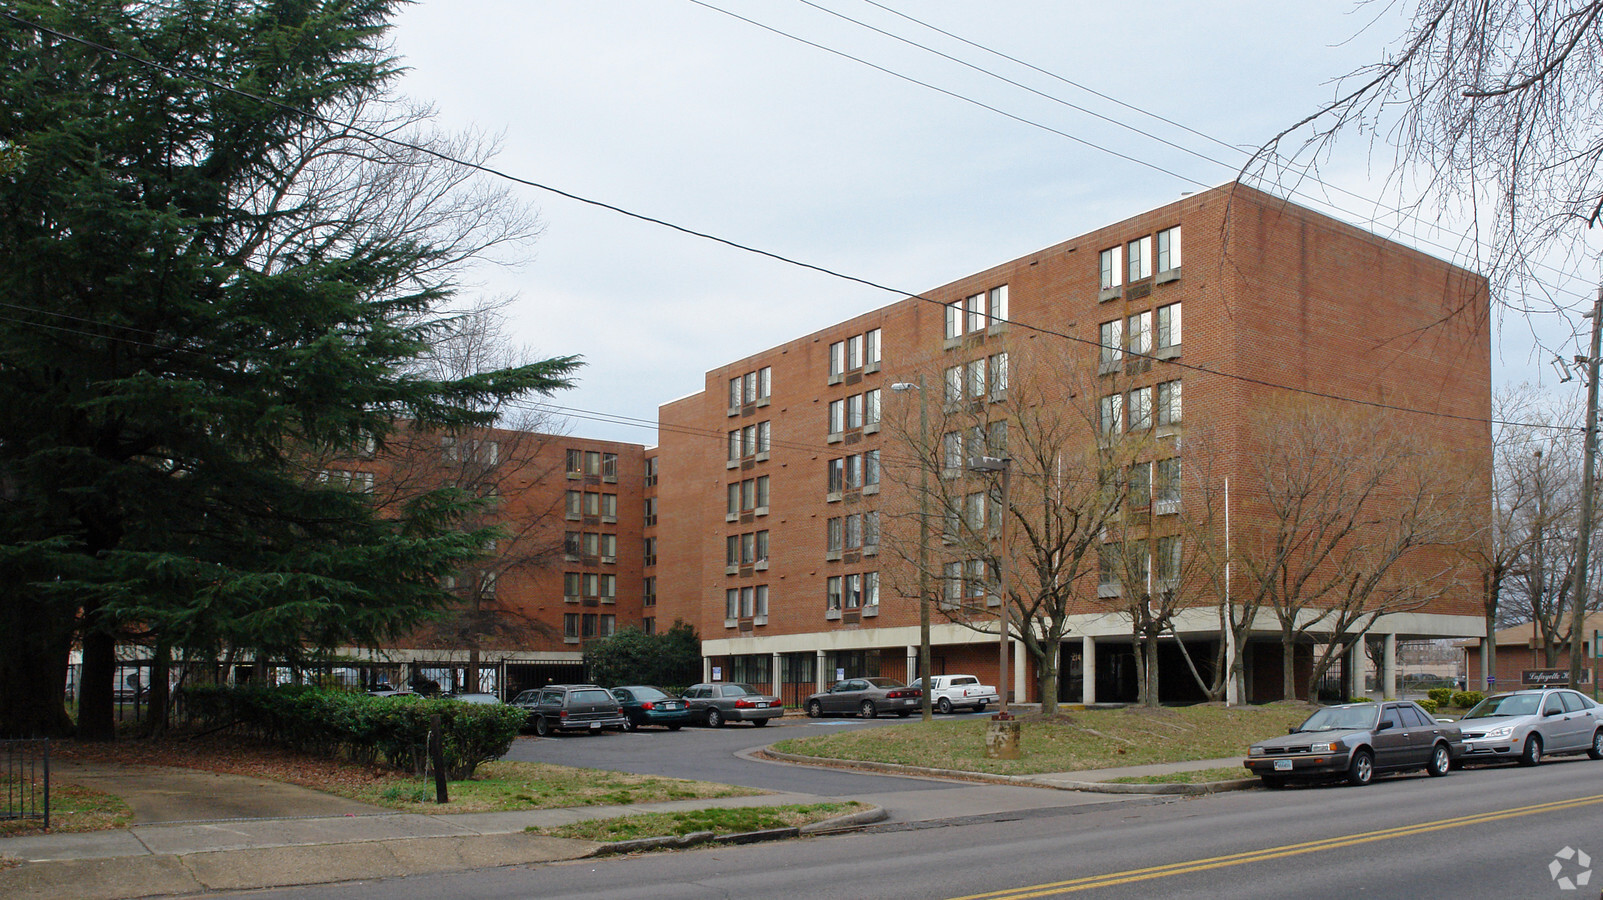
x: 648, y: 693
x: 1506, y: 705
x: 1332, y: 718
x: 884, y: 682
x: 735, y: 690
x: 594, y: 695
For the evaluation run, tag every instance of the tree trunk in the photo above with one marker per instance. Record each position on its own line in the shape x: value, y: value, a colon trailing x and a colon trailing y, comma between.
x: 1049, y: 660
x: 1151, y: 667
x: 473, y: 682
x: 157, y: 700
x: 34, y: 651
x: 96, y: 687
x: 1288, y: 663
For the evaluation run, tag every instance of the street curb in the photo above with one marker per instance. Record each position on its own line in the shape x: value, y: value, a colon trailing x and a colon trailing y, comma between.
x: 679, y: 842
x: 1095, y: 787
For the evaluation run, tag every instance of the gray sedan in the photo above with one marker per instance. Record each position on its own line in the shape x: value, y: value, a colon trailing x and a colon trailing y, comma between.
x: 1527, y: 725
x: 866, y: 697
x: 715, y: 704
x: 1358, y: 741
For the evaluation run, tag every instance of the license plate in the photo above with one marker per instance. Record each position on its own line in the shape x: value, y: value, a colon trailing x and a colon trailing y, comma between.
x: 595, y: 726
x: 1282, y: 765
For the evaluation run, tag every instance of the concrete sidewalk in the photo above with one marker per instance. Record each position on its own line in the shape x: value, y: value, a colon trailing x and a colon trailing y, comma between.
x: 188, y: 838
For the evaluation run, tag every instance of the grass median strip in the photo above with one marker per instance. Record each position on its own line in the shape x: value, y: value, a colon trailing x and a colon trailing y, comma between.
x: 1068, y: 742
x: 503, y: 786
x: 1196, y: 776
x: 719, y: 821
x: 73, y: 808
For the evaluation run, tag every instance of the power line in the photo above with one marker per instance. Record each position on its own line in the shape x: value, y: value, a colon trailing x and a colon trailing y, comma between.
x: 498, y: 173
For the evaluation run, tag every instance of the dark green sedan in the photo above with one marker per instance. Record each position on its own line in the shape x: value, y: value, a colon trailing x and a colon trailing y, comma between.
x: 646, y: 705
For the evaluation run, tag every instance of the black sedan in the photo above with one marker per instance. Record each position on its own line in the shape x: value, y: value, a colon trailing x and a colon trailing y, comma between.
x: 646, y: 705
x: 1356, y: 741
x: 866, y: 697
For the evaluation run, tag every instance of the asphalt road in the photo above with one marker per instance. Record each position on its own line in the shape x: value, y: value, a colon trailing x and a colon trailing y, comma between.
x: 1479, y: 833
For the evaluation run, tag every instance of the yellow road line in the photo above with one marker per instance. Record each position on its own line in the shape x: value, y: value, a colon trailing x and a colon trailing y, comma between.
x: 1268, y: 853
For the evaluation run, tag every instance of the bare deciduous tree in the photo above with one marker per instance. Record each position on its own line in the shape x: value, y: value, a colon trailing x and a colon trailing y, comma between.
x: 1338, y: 526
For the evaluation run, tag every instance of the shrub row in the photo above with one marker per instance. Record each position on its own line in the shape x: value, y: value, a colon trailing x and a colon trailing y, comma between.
x: 1466, y: 699
x: 1441, y: 695
x: 1428, y: 705
x: 392, y: 731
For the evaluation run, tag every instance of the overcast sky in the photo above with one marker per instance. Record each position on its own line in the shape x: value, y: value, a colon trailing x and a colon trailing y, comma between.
x: 677, y: 111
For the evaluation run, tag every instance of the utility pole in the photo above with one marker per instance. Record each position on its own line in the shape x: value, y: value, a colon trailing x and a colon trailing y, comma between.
x: 1583, y: 551
x: 923, y: 546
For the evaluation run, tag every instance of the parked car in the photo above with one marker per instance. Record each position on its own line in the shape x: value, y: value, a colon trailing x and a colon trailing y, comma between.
x: 715, y: 704
x: 646, y: 705
x: 570, y: 707
x: 1527, y: 725
x: 474, y: 697
x: 951, y: 692
x: 866, y: 697
x: 1357, y: 741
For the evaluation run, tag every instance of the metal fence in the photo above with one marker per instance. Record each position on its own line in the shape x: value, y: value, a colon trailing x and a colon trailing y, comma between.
x: 26, y: 779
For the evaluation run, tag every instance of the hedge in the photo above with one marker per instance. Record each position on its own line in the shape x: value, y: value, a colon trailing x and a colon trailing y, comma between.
x: 1467, y: 699
x: 393, y: 731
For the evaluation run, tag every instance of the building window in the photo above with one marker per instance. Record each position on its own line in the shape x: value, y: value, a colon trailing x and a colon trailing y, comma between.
x: 1140, y: 251
x: 952, y: 583
x: 854, y: 353
x: 837, y: 358
x: 871, y: 348
x: 871, y: 530
x: 1112, y: 413
x: 1169, y: 249
x: 1168, y: 398
x: 750, y: 388
x: 651, y: 510
x: 1140, y: 333
x: 837, y: 475
x: 1108, y: 565
x: 975, y: 382
x: 832, y: 593
x: 609, y: 467
x: 854, y: 472
x: 732, y: 603
x: 837, y: 417
x: 954, y: 320
x: 1141, y: 409
x: 1140, y: 487
x: 732, y: 551
x: 648, y: 591
x: 871, y: 408
x: 575, y: 463
x: 954, y: 384
x: 649, y: 552
x: 870, y: 589
x: 854, y: 411
x: 609, y: 548
x: 572, y: 587
x: 998, y: 367
x: 1166, y: 484
x: 1110, y: 336
x: 760, y: 604
x: 609, y: 507
x: 1169, y: 326
x: 570, y: 626
x: 651, y: 472
x: 1110, y: 268
x: 834, y: 535
x: 608, y: 588
x: 975, y: 317
x: 952, y: 450
x: 573, y: 506
x: 871, y: 469
x: 1166, y: 561
x: 853, y: 589
x: 998, y: 306
x: 854, y: 532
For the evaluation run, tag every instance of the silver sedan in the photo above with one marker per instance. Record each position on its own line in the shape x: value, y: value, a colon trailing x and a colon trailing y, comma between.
x: 1527, y: 725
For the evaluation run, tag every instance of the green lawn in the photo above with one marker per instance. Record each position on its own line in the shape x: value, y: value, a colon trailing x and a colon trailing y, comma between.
x: 502, y: 786
x: 1072, y: 742
x: 719, y: 821
x: 73, y: 808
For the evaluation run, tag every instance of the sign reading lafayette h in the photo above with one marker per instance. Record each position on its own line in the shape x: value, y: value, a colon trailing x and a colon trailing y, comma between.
x: 1551, y: 677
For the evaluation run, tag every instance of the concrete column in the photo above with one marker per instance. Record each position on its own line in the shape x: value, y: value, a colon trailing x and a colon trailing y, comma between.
x: 1389, y: 668
x: 706, y: 668
x: 779, y: 689
x: 1020, y: 686
x: 819, y: 676
x: 912, y: 664
x: 1087, y: 669
x: 1353, y: 667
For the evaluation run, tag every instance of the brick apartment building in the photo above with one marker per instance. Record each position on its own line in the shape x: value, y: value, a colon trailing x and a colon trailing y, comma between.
x: 568, y: 569
x: 778, y: 483
x: 1521, y: 649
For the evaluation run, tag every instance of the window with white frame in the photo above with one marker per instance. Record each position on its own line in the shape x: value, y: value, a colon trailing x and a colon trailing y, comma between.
x: 750, y: 388
x: 952, y: 450
x: 975, y: 381
x: 1111, y: 408
x: 870, y: 468
x: 1110, y: 337
x: 1139, y: 493
x: 854, y: 411
x: 732, y: 603
x: 837, y: 416
x: 952, y: 583
x: 997, y: 363
x: 835, y: 534
x: 996, y: 438
x: 853, y: 590
x: 1166, y: 484
x: 854, y: 532
x: 954, y: 384
x: 837, y: 358
x: 1111, y: 276
x: 1140, y: 258
x: 1168, y: 403
x: 997, y: 307
x: 1166, y: 561
x: 854, y: 472
x: 870, y: 589
x: 832, y: 593
x: 1141, y: 409
x: 975, y: 306
x: 1169, y: 249
x: 954, y: 320
x: 871, y: 530
x: 1109, y: 566
x: 871, y: 348
x: 837, y: 475
x: 1139, y: 333
x: 1169, y: 326
x: 871, y: 408
x: 575, y: 462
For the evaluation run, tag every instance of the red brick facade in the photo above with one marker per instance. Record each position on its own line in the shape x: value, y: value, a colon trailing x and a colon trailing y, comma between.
x: 1241, y: 295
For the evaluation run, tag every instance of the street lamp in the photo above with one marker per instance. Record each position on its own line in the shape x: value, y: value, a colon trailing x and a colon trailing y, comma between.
x: 923, y: 544
x: 1005, y: 466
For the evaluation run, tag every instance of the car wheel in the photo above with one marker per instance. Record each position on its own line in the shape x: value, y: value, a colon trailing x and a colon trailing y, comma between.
x: 867, y: 710
x: 1441, y: 761
x: 715, y: 719
x: 631, y: 725
x: 1532, y: 754
x: 759, y: 722
x: 674, y: 727
x: 814, y: 709
x: 945, y: 706
x: 980, y: 708
x: 902, y: 714
x: 541, y: 727
x: 1361, y: 770
x: 1273, y: 782
x: 1596, y: 750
